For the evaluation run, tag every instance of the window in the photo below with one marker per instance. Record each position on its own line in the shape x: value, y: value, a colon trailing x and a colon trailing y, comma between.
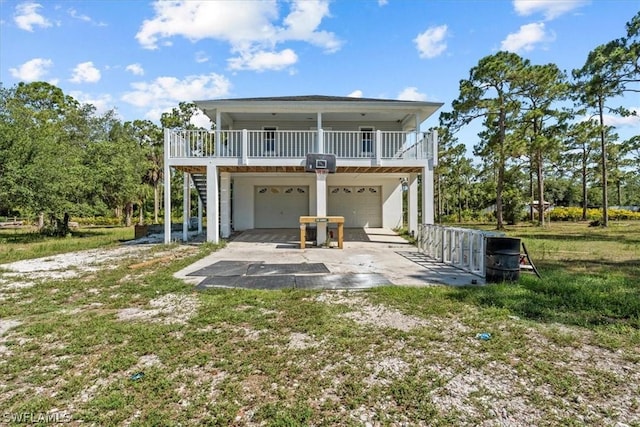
x: 269, y: 139
x: 366, y: 136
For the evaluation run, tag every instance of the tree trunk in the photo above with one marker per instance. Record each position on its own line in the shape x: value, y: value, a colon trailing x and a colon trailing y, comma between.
x: 532, y: 216
x: 501, y: 166
x: 128, y: 213
x: 40, y: 220
x: 156, y: 202
x: 540, y: 190
x: 141, y: 213
x: 585, y: 202
x: 603, y: 147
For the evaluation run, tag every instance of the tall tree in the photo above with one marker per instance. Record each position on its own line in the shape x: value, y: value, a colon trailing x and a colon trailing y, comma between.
x: 610, y: 70
x: 490, y: 93
x: 580, y: 144
x: 541, y: 86
x: 150, y: 139
x: 42, y: 149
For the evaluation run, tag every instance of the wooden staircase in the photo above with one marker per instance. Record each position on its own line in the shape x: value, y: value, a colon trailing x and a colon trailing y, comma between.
x: 200, y: 182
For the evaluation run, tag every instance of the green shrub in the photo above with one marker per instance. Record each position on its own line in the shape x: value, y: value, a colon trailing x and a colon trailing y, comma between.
x: 573, y: 213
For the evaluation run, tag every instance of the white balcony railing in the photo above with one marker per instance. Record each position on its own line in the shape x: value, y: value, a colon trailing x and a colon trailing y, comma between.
x: 460, y: 247
x: 297, y: 144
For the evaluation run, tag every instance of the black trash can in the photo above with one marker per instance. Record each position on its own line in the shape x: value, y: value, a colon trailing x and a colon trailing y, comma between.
x: 502, y: 259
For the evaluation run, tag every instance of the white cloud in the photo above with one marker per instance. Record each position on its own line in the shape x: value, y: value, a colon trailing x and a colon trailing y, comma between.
x: 253, y: 29
x: 85, y: 72
x: 356, y: 94
x: 103, y: 103
x: 526, y: 38
x: 32, y: 70
x: 201, y: 57
x: 164, y: 93
x: 620, y: 121
x: 411, y: 94
x: 135, y: 69
x: 201, y: 120
x: 27, y: 16
x: 551, y: 9
x: 431, y: 42
x: 74, y: 14
x: 81, y: 17
x: 303, y: 21
x: 383, y: 2
x: 260, y: 61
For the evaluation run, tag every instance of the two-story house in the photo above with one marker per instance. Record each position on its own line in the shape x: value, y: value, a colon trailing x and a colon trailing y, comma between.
x: 250, y: 170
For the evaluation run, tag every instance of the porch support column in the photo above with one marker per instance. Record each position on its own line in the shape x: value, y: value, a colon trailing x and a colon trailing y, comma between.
x: 321, y: 206
x: 167, y: 190
x: 412, y: 204
x: 320, y: 146
x: 199, y: 215
x: 427, y: 194
x: 217, y: 134
x: 225, y: 204
x: 185, y: 207
x: 212, y: 203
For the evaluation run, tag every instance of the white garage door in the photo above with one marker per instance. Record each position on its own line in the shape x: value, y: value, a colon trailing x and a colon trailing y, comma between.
x: 360, y: 206
x: 280, y: 206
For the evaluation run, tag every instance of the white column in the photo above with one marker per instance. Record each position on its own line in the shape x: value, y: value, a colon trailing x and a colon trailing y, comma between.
x: 320, y: 147
x: 199, y: 215
x: 427, y: 194
x: 412, y: 204
x: 321, y: 206
x: 167, y: 190
x: 212, y: 204
x: 378, y: 144
x: 245, y: 147
x: 218, y: 128
x: 186, y: 201
x: 225, y: 204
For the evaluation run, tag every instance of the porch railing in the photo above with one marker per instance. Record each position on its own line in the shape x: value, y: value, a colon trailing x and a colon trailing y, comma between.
x: 460, y: 247
x: 296, y: 144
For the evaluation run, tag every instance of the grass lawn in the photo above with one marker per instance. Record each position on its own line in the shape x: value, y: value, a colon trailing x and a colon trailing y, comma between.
x: 564, y: 350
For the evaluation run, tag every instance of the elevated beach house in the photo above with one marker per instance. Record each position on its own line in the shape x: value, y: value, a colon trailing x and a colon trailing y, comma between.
x: 252, y: 169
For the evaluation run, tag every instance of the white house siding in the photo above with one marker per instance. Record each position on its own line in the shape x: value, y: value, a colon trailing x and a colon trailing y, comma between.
x: 245, y: 185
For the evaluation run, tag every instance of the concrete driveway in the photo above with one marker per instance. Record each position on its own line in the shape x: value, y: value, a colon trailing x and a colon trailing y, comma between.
x: 373, y: 256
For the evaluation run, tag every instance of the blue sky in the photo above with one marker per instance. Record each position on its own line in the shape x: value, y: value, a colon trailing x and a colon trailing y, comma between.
x: 143, y: 57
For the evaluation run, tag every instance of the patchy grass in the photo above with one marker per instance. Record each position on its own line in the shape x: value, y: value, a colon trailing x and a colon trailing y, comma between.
x: 26, y: 243
x: 563, y: 350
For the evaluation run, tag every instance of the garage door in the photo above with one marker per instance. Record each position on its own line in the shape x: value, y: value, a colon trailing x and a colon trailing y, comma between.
x: 280, y: 206
x: 360, y: 206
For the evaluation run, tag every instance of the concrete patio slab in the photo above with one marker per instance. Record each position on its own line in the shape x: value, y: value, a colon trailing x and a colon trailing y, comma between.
x: 372, y: 251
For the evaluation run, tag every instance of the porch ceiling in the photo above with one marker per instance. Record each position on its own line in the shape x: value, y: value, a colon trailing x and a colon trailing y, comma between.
x: 300, y: 169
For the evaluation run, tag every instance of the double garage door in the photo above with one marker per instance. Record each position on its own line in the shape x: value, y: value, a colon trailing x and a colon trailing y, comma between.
x: 282, y: 206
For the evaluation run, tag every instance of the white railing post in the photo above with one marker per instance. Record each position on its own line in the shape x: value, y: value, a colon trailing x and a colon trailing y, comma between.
x: 245, y: 147
x: 321, y: 141
x: 378, y: 147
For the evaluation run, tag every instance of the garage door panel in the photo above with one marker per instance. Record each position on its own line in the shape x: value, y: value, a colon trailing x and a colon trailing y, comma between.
x: 361, y: 206
x: 280, y: 206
